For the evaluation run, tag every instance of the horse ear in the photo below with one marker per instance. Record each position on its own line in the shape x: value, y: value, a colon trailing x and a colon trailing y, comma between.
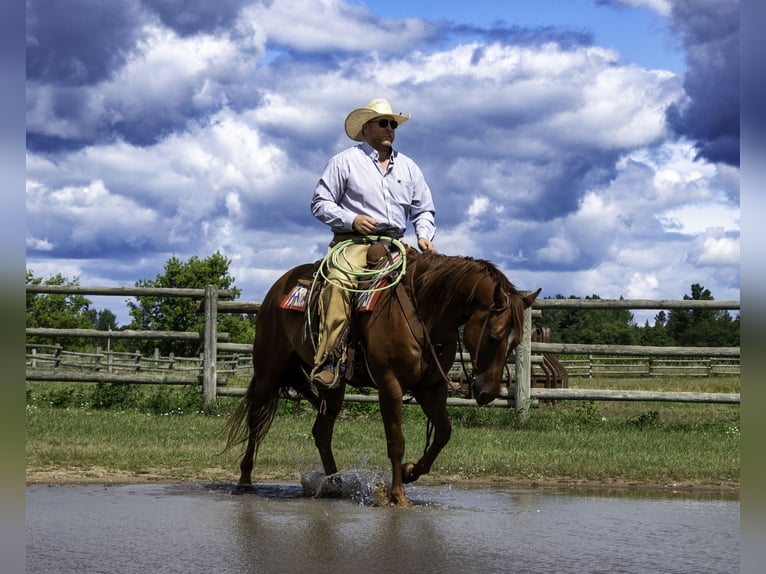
x: 529, y: 299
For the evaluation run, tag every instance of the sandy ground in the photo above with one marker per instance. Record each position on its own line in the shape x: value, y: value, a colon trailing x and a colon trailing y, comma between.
x: 102, y: 475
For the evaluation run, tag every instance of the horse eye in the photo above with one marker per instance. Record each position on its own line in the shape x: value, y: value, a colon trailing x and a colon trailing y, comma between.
x: 500, y: 334
x: 497, y: 329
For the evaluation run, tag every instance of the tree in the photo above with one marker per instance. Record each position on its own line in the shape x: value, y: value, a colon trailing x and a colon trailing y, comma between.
x: 57, y: 311
x: 589, y: 326
x: 679, y: 327
x: 103, y: 320
x: 180, y: 313
x: 702, y: 327
x: 654, y: 335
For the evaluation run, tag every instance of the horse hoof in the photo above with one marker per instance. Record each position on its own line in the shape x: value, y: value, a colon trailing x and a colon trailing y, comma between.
x: 399, y: 501
x: 243, y: 488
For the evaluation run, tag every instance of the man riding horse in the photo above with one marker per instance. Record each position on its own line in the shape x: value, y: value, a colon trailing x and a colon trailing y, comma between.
x: 408, y: 336
x: 368, y: 189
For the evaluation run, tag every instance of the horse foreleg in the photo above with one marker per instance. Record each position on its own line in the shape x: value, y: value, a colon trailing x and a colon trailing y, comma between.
x: 331, y: 403
x: 391, y: 410
x: 433, y: 401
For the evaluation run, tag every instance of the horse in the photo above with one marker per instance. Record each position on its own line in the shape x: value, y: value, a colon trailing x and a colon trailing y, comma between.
x: 408, y: 342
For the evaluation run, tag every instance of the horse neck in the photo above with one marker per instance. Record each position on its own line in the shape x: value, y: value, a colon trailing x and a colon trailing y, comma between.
x: 446, y: 302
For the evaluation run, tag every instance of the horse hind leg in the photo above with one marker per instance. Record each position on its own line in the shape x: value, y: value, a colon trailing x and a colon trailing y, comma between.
x: 246, y: 465
x: 251, y: 421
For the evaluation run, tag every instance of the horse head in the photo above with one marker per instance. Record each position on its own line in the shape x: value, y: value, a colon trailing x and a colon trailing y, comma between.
x: 491, y: 334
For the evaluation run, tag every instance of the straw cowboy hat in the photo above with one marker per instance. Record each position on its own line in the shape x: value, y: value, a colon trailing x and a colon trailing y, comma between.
x: 375, y: 109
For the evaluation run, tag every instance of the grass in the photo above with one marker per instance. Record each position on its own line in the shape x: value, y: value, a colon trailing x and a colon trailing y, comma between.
x: 87, y: 433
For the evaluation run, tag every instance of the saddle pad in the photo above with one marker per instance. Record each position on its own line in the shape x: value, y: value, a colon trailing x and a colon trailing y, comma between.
x: 295, y: 300
x: 366, y: 301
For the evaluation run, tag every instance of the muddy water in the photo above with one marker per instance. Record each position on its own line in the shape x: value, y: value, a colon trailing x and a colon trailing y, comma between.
x: 276, y: 528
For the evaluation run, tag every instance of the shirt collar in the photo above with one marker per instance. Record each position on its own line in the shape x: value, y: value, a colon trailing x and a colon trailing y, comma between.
x: 373, y: 153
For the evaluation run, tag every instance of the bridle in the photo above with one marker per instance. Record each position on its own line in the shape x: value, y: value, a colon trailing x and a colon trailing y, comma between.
x: 471, y: 377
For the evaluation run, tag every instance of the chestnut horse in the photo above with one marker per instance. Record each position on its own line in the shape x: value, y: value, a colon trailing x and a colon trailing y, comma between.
x: 408, y: 342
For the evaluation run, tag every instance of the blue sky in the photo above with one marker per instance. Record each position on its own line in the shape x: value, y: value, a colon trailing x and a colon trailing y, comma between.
x: 641, y: 33
x: 585, y: 147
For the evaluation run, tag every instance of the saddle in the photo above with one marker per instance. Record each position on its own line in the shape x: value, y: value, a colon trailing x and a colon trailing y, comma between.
x: 349, y: 351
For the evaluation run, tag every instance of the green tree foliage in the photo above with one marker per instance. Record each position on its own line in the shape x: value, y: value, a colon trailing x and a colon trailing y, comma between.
x: 655, y: 335
x: 702, y: 327
x: 678, y: 327
x: 181, y: 313
x: 57, y: 311
x: 104, y: 320
x: 590, y: 326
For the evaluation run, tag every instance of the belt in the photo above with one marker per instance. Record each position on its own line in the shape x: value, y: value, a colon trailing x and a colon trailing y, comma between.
x: 393, y: 232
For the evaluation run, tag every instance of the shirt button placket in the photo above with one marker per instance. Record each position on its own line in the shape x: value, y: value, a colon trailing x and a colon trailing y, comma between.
x: 386, y: 196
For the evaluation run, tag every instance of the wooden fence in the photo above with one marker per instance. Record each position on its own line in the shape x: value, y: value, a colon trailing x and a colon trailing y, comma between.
x: 597, y: 366
x: 213, y: 370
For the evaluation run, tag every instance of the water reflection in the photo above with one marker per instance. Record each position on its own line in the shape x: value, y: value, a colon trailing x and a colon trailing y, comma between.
x: 340, y: 535
x: 275, y: 528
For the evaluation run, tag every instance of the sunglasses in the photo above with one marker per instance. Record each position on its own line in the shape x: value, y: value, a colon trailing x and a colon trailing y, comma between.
x: 384, y: 123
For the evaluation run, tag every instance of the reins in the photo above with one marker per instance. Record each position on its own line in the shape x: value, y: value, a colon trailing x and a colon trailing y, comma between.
x: 426, y: 338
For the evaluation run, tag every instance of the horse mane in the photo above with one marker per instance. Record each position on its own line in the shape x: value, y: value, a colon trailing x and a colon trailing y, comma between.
x: 442, y: 277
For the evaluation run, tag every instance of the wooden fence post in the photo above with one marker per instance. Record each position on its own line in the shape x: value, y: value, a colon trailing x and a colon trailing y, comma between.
x: 524, y: 366
x: 210, y: 342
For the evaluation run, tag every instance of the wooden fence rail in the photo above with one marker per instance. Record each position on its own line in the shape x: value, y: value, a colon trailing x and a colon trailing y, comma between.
x: 649, y: 366
x: 122, y: 334
x: 523, y: 395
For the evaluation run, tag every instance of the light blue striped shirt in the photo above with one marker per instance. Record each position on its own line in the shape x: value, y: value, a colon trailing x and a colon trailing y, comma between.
x: 352, y: 184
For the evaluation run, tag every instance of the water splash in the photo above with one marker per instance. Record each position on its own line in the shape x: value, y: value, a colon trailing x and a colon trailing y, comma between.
x: 360, y: 485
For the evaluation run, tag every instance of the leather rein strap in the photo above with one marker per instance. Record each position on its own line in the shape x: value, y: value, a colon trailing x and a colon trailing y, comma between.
x: 416, y: 324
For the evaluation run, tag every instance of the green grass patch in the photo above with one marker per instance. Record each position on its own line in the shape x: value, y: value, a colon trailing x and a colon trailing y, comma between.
x: 162, y: 433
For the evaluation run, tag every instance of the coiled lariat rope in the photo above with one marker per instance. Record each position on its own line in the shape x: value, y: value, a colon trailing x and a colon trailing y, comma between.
x: 336, y: 258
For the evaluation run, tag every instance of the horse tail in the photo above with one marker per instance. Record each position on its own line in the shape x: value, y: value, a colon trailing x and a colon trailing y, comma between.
x: 247, y: 419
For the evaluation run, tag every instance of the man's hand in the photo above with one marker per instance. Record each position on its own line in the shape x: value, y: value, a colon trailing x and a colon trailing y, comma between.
x: 364, y: 224
x: 425, y: 245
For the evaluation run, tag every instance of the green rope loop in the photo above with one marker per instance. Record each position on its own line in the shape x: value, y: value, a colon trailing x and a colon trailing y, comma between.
x: 336, y: 257
x: 398, y: 268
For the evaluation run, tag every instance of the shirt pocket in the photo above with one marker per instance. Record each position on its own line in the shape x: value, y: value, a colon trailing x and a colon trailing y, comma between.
x: 403, y: 192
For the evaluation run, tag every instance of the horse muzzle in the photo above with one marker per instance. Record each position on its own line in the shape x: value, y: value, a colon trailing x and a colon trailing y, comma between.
x: 484, y: 393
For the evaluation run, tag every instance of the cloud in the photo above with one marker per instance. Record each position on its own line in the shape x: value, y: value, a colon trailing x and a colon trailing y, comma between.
x: 189, y: 17
x: 716, y: 247
x: 563, y: 116
x: 662, y: 7
x: 336, y: 26
x: 161, y: 82
x: 89, y: 220
x: 657, y: 197
x: 80, y: 42
x: 190, y: 134
x: 642, y: 286
x: 184, y: 180
x: 709, y: 112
